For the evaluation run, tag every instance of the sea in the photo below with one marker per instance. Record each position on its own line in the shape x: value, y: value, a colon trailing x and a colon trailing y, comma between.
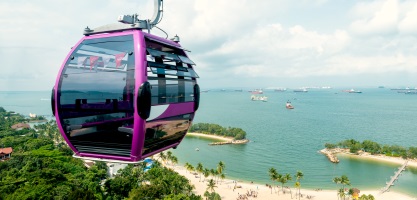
x: 289, y: 140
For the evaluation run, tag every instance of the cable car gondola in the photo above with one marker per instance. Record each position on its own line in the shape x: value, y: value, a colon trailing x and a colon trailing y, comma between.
x: 123, y: 94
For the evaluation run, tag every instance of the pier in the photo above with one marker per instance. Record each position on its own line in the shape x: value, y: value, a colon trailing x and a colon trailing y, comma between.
x: 394, y: 178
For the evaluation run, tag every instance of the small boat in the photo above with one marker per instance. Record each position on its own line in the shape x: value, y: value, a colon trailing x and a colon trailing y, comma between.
x: 259, y: 98
x: 288, y: 105
x: 352, y: 91
x: 280, y: 90
x: 301, y: 90
x: 197, y: 149
x: 257, y: 91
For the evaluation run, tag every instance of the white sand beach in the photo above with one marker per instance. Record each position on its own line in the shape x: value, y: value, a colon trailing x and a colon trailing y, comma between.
x: 226, y: 190
x: 216, y: 137
x: 365, y: 155
x: 383, y: 158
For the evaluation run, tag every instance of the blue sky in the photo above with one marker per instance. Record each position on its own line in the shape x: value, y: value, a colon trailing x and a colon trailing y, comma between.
x: 235, y: 43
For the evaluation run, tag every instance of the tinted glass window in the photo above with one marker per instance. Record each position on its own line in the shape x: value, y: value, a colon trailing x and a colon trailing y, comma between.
x: 170, y: 72
x: 162, y: 133
x: 171, y: 90
x: 96, y: 95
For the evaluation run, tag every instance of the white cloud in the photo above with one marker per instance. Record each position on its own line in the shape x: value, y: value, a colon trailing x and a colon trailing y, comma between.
x: 408, y: 25
x: 383, y: 17
x: 276, y: 51
x: 239, y: 38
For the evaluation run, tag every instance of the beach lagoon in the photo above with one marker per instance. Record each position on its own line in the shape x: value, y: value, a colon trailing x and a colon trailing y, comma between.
x: 289, y: 140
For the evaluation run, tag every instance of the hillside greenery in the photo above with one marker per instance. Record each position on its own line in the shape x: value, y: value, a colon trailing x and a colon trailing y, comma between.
x: 42, y: 167
x: 215, y: 129
x: 375, y: 148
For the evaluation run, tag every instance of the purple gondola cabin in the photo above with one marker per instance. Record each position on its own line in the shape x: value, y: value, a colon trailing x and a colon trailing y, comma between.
x: 123, y: 94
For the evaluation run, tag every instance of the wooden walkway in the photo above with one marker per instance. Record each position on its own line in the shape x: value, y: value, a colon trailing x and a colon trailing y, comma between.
x: 394, y: 178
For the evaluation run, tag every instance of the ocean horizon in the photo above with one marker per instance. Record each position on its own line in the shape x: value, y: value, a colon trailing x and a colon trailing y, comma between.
x: 289, y: 140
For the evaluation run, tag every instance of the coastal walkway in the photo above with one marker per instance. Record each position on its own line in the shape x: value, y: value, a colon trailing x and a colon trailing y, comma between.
x: 394, y: 178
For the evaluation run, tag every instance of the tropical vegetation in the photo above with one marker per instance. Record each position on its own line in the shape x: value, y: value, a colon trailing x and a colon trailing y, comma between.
x: 215, y: 129
x: 375, y: 148
x: 284, y: 179
x: 42, y: 167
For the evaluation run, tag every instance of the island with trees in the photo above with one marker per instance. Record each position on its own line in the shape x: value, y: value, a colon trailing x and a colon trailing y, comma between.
x: 231, y: 134
x: 368, y: 147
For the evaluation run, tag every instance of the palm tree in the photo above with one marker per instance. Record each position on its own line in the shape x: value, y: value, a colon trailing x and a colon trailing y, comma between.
x: 222, y: 176
x: 298, y: 176
x: 220, y: 167
x: 273, y: 175
x: 213, y: 173
x: 187, y: 166
x: 169, y: 156
x: 206, y: 173
x: 191, y: 168
x: 341, y: 193
x: 279, y: 180
x: 344, y: 180
x: 287, y: 177
x: 337, y: 180
x: 200, y: 169
x: 174, y: 160
x: 298, y: 185
x: 367, y: 197
x: 162, y: 156
x: 211, y: 185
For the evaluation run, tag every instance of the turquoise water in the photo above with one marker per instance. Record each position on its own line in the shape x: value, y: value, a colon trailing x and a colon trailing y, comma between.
x: 288, y: 140
x: 38, y: 102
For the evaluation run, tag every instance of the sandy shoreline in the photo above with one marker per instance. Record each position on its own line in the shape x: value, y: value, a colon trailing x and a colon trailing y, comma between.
x: 215, y: 137
x: 379, y: 157
x: 226, y: 189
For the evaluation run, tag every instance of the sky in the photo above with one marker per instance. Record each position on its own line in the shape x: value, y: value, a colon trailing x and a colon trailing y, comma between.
x: 235, y: 43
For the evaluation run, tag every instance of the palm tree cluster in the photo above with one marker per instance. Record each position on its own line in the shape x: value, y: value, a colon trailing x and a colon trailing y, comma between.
x: 168, y: 157
x: 344, y: 180
x: 216, y: 174
x: 285, y: 178
x: 367, y: 197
